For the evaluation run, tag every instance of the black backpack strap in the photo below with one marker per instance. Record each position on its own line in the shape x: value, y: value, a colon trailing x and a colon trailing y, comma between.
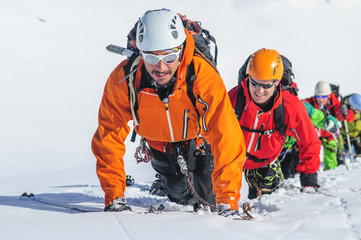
x: 129, y: 63
x: 240, y: 102
x: 279, y: 118
x: 190, y: 78
x: 255, y: 159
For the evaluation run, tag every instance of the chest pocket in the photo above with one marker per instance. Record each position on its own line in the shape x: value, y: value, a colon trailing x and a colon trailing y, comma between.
x: 167, y: 122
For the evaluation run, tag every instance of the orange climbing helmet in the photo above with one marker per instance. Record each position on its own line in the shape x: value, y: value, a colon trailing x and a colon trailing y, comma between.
x: 265, y: 64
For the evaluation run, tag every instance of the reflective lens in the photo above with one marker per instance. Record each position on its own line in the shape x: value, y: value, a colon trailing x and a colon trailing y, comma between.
x: 264, y: 86
x: 154, y: 59
x: 321, y: 96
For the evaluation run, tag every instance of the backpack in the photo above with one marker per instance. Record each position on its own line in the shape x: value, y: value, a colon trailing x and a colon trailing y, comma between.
x: 203, y: 43
x: 336, y: 90
x: 286, y: 84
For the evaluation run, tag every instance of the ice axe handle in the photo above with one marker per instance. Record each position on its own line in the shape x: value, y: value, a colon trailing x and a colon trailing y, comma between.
x: 119, y: 50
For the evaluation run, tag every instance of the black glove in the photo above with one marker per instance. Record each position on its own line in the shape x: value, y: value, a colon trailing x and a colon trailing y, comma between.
x: 157, y: 187
x: 330, y: 126
x: 229, y: 213
x: 119, y: 204
x: 344, y: 110
x: 129, y: 181
x: 309, y: 180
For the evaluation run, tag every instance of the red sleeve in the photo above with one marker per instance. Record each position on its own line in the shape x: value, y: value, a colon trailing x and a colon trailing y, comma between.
x: 300, y: 127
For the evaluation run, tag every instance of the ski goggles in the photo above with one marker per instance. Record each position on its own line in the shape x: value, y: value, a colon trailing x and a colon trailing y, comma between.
x: 264, y: 86
x: 167, y: 58
x: 323, y: 97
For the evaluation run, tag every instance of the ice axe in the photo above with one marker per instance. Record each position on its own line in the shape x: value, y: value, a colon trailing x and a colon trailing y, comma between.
x: 344, y: 112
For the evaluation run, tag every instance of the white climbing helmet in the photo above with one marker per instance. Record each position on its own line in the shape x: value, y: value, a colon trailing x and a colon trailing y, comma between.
x: 323, y: 88
x: 159, y: 30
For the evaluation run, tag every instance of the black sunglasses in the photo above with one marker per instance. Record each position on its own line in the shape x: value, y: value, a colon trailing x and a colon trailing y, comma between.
x: 264, y: 86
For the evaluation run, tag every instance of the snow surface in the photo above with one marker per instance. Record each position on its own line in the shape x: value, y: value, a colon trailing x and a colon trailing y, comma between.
x: 53, y: 67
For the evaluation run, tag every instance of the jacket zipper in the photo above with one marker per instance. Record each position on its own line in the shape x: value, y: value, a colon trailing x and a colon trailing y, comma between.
x: 169, y: 122
x: 253, y: 133
x: 204, y: 115
x: 258, y: 139
x: 185, y: 123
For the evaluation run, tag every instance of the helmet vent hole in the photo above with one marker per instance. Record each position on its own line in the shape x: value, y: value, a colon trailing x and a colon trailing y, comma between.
x: 175, y: 34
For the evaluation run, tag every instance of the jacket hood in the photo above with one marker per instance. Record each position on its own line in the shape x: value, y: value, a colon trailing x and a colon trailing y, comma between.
x: 187, y: 57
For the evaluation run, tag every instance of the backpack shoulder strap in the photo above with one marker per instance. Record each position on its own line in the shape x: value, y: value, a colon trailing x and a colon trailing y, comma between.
x: 279, y: 118
x: 131, y: 69
x: 240, y: 103
x: 190, y: 78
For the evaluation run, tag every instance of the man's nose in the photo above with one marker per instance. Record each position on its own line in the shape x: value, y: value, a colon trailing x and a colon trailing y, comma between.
x: 160, y: 65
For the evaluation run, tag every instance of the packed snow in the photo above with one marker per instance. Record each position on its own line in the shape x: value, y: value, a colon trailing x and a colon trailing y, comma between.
x: 53, y: 69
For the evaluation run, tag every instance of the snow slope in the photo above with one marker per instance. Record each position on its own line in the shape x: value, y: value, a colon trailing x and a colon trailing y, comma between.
x: 53, y: 68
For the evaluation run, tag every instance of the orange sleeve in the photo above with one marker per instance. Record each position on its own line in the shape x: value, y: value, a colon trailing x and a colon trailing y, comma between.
x: 108, y: 141
x: 221, y: 129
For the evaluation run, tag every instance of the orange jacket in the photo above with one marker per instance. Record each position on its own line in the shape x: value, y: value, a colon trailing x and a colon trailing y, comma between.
x: 160, y: 123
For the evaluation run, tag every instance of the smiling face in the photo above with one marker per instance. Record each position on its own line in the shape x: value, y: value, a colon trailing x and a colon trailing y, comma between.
x: 262, y: 90
x: 161, y: 72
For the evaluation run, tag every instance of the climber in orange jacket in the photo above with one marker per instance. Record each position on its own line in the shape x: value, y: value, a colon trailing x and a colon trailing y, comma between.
x: 166, y: 117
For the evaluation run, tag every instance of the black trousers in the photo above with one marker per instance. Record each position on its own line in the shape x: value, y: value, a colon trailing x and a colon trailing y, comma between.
x: 200, y: 170
x: 354, y: 143
x: 289, y: 164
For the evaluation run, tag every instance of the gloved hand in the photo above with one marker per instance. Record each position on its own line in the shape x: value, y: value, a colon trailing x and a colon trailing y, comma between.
x: 157, y: 188
x: 344, y: 110
x: 309, y: 180
x: 229, y: 213
x: 330, y: 126
x: 129, y: 181
x: 119, y: 204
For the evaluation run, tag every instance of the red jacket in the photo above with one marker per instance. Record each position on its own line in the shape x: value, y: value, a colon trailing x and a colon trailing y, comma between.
x: 333, y: 106
x: 266, y: 148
